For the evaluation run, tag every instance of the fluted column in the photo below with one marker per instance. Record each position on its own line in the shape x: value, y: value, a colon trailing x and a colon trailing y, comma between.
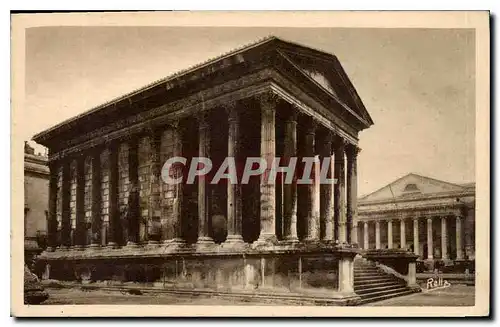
x: 416, y: 236
x: 326, y: 190
x: 444, y: 238
x: 458, y: 235
x: 389, y: 234
x: 204, y: 221
x: 377, y: 234
x: 114, y: 211
x: 339, y: 191
x: 366, y: 241
x: 312, y: 222
x: 177, y: 237
x: 65, y: 210
x: 430, y: 246
x: 133, y: 211
x: 352, y: 192
x: 402, y: 233
x: 96, y: 198
x: 268, y: 153
x: 52, y: 215
x: 80, y: 203
x: 234, y: 204
x: 290, y: 189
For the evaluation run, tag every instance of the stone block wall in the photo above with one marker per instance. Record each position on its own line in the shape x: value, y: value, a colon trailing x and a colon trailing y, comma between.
x: 59, y: 203
x: 144, y: 153
x: 104, y: 196
x: 123, y: 187
x: 72, y: 200
x: 167, y: 191
x: 88, y: 199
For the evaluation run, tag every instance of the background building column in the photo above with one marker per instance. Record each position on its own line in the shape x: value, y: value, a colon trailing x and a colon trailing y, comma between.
x: 416, y: 236
x: 444, y: 238
x: 234, y: 204
x: 352, y: 192
x: 204, y: 219
x: 402, y: 233
x: 377, y: 234
x: 268, y: 153
x: 96, y: 198
x: 339, y: 190
x: 366, y: 241
x: 389, y: 234
x: 458, y: 233
x: 430, y: 246
x: 290, y: 190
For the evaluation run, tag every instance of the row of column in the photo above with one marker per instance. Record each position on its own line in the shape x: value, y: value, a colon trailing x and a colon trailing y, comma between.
x: 335, y: 220
x: 416, y: 245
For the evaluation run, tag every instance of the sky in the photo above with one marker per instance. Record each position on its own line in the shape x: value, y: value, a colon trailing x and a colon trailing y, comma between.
x: 417, y: 84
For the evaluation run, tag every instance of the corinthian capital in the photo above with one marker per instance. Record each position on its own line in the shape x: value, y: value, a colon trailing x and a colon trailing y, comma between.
x: 352, y: 151
x: 268, y: 99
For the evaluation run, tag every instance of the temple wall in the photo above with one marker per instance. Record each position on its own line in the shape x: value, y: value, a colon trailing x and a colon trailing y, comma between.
x: 88, y: 199
x: 144, y: 153
x: 104, y: 196
x: 167, y: 191
x: 72, y: 200
x: 123, y: 188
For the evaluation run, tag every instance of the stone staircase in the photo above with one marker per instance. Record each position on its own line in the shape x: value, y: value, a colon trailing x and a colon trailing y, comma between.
x: 372, y: 284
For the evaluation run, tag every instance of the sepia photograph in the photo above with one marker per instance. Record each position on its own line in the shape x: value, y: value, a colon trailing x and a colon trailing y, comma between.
x: 222, y: 163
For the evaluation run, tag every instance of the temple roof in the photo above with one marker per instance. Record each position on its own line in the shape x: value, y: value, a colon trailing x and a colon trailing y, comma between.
x: 296, y: 53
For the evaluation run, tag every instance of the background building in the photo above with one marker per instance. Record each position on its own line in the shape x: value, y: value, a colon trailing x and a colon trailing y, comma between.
x: 36, y: 199
x: 420, y: 213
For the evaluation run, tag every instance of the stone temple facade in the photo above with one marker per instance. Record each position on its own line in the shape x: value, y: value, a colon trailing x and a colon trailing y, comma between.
x: 112, y: 218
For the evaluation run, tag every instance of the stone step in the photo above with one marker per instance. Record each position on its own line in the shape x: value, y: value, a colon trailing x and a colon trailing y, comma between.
x: 368, y: 273
x: 377, y: 293
x: 371, y: 284
x: 371, y: 290
x: 373, y: 278
x: 366, y: 270
x: 385, y: 296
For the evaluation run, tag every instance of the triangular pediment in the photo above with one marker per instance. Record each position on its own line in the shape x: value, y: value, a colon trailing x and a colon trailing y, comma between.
x: 327, y: 72
x: 412, y: 185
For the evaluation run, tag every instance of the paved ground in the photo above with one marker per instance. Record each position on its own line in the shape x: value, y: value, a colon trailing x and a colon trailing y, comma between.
x: 456, y: 295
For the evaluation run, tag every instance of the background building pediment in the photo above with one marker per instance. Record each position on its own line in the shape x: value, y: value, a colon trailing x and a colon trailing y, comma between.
x: 413, y: 185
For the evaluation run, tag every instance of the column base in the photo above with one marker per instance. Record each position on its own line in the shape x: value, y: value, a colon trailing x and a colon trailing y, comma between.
x: 235, y: 238
x: 131, y: 244
x: 265, y: 239
x: 49, y: 249
x: 205, y: 240
x: 175, y: 241
x: 311, y: 240
x: 150, y: 243
x: 78, y: 247
x: 291, y: 239
x: 112, y: 245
